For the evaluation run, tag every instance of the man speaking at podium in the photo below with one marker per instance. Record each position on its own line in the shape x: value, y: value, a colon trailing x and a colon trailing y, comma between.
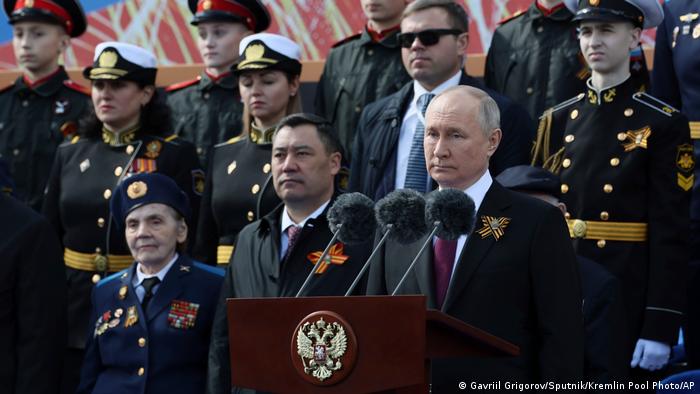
x: 514, y: 276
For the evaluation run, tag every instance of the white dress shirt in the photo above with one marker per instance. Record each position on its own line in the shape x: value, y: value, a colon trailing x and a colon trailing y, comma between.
x: 408, y: 126
x: 287, y: 221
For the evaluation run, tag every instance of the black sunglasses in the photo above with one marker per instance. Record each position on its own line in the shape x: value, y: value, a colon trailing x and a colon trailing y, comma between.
x: 427, y: 37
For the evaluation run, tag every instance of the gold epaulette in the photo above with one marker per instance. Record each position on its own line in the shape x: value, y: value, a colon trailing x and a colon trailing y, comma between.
x: 170, y: 138
x: 233, y: 140
x: 654, y: 103
x: 75, y: 139
x: 541, y: 155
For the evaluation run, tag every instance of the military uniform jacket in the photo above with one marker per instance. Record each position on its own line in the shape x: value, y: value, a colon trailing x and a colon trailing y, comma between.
x: 238, y: 191
x: 85, y: 172
x: 357, y: 72
x: 676, y: 80
x: 206, y: 112
x: 32, y: 301
x: 162, y: 351
x: 625, y: 157
x: 33, y: 123
x: 256, y: 271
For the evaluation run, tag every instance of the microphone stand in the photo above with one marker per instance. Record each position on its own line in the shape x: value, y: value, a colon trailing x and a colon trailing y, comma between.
x: 321, y: 260
x: 369, y: 260
x: 436, y: 226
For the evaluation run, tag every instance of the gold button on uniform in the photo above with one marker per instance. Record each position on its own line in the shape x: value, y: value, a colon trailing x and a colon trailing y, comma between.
x: 98, y: 250
x: 564, y: 188
x: 358, y: 109
x: 604, y: 215
x: 129, y: 150
x: 250, y: 216
x: 107, y: 194
x: 141, y: 371
x: 629, y: 112
x: 574, y: 114
x: 118, y: 171
x: 540, y: 29
x: 15, y: 152
x: 370, y: 52
x: 142, y: 342
x: 567, y: 215
x: 100, y: 222
x: 608, y: 188
x: 601, y: 243
x: 206, y: 96
x: 266, y: 168
x: 529, y: 90
x: 614, y: 162
x: 569, y: 138
x: 96, y: 278
x: 255, y: 189
x: 199, y: 150
x: 621, y: 136
x: 566, y: 163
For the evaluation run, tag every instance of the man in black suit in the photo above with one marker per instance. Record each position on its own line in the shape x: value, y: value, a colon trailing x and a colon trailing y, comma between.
x: 514, y: 276
x: 387, y: 151
x: 32, y: 301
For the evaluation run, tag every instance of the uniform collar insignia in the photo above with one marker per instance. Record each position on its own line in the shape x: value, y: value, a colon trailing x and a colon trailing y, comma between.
x: 335, y: 256
x: 261, y: 137
x: 636, y: 138
x: 493, y: 227
x: 689, y: 17
x: 185, y: 268
x: 117, y: 139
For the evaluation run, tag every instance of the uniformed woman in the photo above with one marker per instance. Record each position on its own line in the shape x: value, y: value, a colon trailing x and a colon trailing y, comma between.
x: 127, y: 133
x: 238, y: 189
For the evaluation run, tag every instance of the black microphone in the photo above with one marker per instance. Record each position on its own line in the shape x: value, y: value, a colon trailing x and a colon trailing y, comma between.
x: 452, y: 214
x: 401, y: 217
x: 350, y: 219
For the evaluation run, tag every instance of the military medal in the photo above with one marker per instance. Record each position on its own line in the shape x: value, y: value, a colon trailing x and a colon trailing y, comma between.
x: 143, y: 165
x: 113, y: 323
x: 636, y: 139
x: 122, y: 292
x: 493, y: 227
x: 182, y: 314
x: 132, y: 317
x: 696, y: 31
x: 118, y: 312
x: 335, y: 256
x: 153, y: 149
x: 675, y: 35
x: 84, y: 165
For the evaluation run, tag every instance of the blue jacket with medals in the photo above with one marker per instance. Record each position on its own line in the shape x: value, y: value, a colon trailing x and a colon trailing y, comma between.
x: 128, y: 352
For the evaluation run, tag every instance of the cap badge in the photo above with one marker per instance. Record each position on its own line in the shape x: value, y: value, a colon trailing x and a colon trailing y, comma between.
x: 29, y: 3
x: 206, y: 5
x: 594, y: 3
x: 108, y: 59
x: 136, y: 190
x: 254, y: 52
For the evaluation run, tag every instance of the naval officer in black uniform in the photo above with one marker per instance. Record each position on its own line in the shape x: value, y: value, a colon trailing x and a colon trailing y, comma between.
x: 207, y: 110
x: 126, y: 134
x: 43, y: 105
x: 239, y: 187
x: 625, y: 162
x: 151, y: 322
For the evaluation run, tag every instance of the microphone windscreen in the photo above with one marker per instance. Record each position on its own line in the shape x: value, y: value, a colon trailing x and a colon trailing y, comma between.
x: 355, y: 212
x: 453, y: 209
x: 404, y: 209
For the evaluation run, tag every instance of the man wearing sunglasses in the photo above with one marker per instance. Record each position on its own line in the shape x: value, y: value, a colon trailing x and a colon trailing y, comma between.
x: 388, y: 146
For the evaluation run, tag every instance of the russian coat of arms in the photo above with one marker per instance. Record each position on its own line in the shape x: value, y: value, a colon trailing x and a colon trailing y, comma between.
x: 321, y: 345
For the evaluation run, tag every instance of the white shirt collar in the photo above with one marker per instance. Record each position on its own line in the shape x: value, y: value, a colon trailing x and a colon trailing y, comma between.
x: 287, y: 221
x: 419, y: 90
x: 478, y: 190
x: 140, y: 276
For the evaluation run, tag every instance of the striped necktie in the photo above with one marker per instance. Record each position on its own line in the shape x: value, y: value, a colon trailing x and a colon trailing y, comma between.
x: 416, y: 174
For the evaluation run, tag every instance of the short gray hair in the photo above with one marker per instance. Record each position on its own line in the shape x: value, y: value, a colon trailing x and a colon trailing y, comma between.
x: 488, y: 115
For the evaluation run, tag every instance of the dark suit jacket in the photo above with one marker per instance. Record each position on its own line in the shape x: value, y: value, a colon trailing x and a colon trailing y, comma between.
x: 32, y: 301
x: 170, y: 343
x: 523, y: 288
x: 373, y: 167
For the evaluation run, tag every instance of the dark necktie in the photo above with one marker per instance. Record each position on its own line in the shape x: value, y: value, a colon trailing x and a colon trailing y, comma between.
x: 443, y: 262
x: 293, y: 233
x: 148, y: 285
x: 416, y: 173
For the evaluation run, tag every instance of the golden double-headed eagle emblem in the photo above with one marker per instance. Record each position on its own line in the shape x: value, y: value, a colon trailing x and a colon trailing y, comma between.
x: 321, y: 346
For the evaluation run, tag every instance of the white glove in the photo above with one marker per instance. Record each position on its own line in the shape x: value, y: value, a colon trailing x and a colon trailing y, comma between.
x: 650, y: 355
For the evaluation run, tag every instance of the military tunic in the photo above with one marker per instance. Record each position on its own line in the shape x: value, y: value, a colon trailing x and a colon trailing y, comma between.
x: 206, y: 111
x: 357, y: 72
x: 163, y: 351
x: 626, y: 164
x: 675, y: 79
x: 34, y: 119
x: 535, y: 59
x: 238, y: 191
x: 85, y: 173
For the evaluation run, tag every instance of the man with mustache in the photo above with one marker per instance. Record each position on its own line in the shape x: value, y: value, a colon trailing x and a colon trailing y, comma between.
x: 43, y: 106
x: 274, y: 255
x: 626, y: 165
x: 387, y: 152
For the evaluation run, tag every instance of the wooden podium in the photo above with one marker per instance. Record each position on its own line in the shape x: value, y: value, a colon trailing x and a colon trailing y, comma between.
x: 389, y: 343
